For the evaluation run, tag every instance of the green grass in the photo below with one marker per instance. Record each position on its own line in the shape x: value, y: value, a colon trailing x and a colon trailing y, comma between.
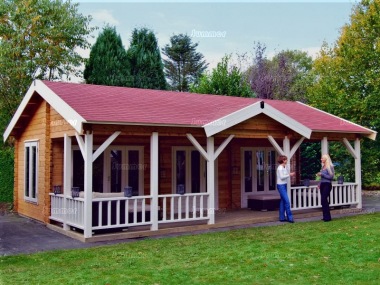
x: 345, y: 251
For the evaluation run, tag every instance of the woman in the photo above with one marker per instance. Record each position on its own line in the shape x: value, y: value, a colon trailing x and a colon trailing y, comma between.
x: 282, y: 179
x: 327, y: 175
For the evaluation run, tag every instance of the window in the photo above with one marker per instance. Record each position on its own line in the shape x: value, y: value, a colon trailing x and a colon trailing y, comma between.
x: 189, y: 170
x: 31, y: 171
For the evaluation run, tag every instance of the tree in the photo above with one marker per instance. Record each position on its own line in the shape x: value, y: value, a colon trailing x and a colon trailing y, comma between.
x: 225, y: 79
x: 183, y: 65
x: 348, y: 82
x: 286, y: 76
x: 108, y: 63
x: 39, y: 39
x: 147, y: 70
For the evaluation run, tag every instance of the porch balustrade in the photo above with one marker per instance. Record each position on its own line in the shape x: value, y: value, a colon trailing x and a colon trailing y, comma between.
x: 119, y: 212
x: 303, y: 197
x: 187, y: 207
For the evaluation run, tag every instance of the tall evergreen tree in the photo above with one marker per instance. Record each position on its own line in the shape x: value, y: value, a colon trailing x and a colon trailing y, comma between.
x: 108, y: 63
x: 183, y: 65
x: 147, y: 70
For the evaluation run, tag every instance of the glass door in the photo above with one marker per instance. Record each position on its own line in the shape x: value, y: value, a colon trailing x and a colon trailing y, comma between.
x: 259, y: 172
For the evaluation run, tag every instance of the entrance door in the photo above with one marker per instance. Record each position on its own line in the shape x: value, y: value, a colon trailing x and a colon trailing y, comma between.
x: 258, y: 172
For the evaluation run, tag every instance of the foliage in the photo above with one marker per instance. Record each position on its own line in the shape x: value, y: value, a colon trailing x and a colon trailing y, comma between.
x: 6, y: 173
x: 348, y: 81
x: 183, y: 65
x: 345, y: 251
x: 225, y: 79
x: 310, y: 160
x: 286, y: 76
x: 38, y: 40
x: 108, y: 63
x: 145, y: 61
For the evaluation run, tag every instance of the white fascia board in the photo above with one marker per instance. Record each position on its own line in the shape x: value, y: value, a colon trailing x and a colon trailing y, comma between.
x: 372, y: 134
x: 68, y: 113
x: 287, y: 121
x: 232, y: 119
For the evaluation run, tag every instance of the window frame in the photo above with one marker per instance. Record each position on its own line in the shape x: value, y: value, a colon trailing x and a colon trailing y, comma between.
x: 28, y: 169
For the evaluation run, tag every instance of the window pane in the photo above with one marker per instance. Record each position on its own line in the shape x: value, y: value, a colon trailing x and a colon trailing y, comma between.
x: 97, y: 177
x: 78, y: 170
x: 133, y: 171
x: 181, y: 168
x: 248, y: 171
x: 27, y: 160
x: 33, y: 169
x: 195, y: 172
x: 260, y: 165
x: 116, y: 167
x: 272, y: 170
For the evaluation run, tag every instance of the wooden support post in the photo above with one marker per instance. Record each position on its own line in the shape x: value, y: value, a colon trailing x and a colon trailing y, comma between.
x: 66, y: 175
x: 154, y: 180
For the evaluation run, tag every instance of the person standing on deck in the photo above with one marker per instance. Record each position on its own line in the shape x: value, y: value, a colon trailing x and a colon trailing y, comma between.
x: 282, y: 180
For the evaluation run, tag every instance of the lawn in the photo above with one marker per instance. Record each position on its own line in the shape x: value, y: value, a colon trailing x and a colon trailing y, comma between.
x: 344, y: 251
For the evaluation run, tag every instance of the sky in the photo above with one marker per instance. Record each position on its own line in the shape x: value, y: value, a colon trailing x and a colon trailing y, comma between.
x: 226, y: 27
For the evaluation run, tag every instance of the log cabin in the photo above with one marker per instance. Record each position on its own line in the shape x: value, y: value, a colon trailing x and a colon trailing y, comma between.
x: 91, y: 158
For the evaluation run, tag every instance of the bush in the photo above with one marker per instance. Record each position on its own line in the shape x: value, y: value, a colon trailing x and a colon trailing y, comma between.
x: 6, y: 174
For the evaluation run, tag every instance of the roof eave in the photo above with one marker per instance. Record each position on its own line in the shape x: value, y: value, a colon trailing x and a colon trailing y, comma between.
x: 67, y: 112
x: 253, y: 110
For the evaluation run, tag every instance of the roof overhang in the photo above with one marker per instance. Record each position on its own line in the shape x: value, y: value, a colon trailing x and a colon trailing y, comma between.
x: 371, y: 134
x: 251, y: 111
x: 68, y: 113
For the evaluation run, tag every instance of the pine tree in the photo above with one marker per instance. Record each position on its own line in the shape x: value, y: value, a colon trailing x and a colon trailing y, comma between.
x: 108, y: 63
x: 147, y: 70
x: 183, y: 65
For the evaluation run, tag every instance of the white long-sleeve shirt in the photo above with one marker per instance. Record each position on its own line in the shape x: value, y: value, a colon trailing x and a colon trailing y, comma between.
x: 282, y: 174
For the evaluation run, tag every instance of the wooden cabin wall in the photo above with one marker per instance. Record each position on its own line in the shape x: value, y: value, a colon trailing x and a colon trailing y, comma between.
x: 35, y: 130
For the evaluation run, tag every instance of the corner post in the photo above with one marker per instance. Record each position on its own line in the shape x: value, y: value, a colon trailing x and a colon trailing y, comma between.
x: 358, y: 171
x: 210, y: 179
x: 154, y: 180
x: 66, y: 175
x: 88, y: 148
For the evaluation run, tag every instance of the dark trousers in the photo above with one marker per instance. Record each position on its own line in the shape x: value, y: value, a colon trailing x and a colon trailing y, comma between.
x: 325, y: 189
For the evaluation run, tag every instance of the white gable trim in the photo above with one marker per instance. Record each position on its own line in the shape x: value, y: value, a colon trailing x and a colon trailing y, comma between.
x: 68, y: 113
x: 372, y: 134
x: 253, y: 110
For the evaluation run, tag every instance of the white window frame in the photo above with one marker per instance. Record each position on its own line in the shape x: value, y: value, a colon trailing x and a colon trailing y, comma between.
x: 28, y: 181
x: 188, y: 150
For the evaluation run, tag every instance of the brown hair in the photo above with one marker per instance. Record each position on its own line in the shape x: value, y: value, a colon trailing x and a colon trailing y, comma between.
x: 281, y: 159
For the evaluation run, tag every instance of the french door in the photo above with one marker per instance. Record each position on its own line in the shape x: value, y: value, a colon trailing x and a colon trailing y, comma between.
x: 125, y: 167
x: 258, y: 173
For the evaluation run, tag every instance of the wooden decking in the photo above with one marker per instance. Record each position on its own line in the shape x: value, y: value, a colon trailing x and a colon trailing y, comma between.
x: 223, y: 219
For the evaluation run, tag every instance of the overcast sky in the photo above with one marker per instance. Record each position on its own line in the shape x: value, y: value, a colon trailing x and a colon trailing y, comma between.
x: 225, y: 27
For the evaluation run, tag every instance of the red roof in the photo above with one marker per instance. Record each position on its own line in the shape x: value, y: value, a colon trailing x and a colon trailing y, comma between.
x: 98, y: 103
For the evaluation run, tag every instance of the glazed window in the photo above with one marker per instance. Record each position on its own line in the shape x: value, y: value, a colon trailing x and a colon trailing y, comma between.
x: 31, y: 171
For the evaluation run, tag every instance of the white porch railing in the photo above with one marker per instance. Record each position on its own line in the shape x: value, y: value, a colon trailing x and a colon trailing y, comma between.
x: 72, y: 213
x: 123, y: 212
x: 120, y: 212
x: 181, y: 208
x: 303, y: 197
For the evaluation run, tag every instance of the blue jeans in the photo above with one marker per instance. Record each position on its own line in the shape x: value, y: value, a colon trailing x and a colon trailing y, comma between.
x: 284, y: 203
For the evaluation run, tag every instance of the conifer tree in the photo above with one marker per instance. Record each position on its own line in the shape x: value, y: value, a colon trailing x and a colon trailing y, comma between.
x: 108, y: 63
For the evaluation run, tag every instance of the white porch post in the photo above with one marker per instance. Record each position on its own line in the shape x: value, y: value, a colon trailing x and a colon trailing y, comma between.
x: 210, y: 179
x: 286, y: 147
x: 66, y: 174
x: 88, y: 148
x: 154, y: 180
x: 358, y: 171
x: 324, y: 146
x: 355, y: 152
